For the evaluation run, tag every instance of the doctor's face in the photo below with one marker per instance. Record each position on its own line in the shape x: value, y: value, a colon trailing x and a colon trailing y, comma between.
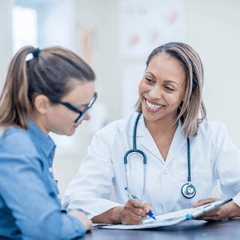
x: 162, y: 88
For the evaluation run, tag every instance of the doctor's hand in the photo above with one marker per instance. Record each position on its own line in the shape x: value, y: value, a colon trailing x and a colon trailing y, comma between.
x: 83, y: 218
x: 228, y: 210
x: 134, y: 211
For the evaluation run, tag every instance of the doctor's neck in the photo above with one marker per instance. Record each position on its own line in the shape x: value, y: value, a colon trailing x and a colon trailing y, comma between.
x: 161, y: 126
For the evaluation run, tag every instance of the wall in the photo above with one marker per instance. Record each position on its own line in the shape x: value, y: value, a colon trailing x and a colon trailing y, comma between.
x: 212, y: 29
x: 6, y: 38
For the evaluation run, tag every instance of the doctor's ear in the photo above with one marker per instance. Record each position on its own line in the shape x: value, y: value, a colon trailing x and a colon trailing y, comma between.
x: 41, y: 104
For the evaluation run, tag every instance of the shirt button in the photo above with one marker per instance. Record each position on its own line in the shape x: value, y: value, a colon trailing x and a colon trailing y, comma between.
x: 50, y: 169
x: 165, y: 170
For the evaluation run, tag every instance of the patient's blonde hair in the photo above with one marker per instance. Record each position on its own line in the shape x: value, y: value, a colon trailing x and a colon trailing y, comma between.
x: 50, y: 72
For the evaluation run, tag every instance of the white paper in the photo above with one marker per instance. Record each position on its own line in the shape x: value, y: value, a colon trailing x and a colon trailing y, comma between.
x: 161, y: 220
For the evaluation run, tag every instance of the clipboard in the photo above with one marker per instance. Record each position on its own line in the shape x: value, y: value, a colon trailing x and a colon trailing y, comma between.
x: 170, y: 218
x: 207, y: 208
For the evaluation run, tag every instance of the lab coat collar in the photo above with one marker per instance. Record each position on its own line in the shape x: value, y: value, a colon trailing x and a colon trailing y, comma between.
x: 148, y: 143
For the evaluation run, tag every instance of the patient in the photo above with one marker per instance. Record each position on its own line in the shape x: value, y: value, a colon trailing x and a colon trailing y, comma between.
x: 52, y: 92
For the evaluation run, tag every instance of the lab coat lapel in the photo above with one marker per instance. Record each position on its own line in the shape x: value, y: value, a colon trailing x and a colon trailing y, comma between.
x: 177, y: 143
x: 148, y: 142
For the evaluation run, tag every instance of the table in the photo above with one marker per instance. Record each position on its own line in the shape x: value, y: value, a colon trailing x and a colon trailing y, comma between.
x: 187, y: 230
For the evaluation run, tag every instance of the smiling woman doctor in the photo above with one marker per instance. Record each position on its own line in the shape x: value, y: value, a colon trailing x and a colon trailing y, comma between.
x: 184, y: 155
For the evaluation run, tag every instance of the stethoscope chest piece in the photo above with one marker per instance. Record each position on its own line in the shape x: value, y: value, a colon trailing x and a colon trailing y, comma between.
x: 188, y: 190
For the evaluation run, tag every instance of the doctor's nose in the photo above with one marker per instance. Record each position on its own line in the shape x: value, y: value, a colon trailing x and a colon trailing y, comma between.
x: 155, y: 93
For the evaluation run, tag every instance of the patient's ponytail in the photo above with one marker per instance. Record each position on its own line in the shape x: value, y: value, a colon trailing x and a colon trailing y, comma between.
x: 15, y: 105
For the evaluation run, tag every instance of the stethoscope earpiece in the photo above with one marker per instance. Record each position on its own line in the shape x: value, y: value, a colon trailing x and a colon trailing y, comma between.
x: 188, y: 190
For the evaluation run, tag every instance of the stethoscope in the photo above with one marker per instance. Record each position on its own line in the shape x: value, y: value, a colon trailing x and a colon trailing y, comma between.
x: 188, y: 190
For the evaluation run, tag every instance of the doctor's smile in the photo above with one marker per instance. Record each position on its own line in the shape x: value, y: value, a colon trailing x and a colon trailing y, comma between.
x: 153, y: 107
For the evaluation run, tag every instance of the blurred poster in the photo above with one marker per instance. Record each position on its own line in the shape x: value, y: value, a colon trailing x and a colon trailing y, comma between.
x: 146, y: 24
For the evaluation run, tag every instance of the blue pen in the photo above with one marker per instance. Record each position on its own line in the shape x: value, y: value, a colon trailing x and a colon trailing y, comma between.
x: 150, y: 214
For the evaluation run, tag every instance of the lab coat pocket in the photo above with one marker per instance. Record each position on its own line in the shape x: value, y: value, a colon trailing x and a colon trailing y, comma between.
x: 202, y: 180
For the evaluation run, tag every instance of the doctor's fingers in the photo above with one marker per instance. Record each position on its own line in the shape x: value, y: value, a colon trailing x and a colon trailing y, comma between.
x: 230, y: 209
x: 148, y: 206
x: 135, y: 207
x: 215, y: 215
x: 137, y: 204
x: 129, y: 218
x: 205, y: 201
x: 139, y: 208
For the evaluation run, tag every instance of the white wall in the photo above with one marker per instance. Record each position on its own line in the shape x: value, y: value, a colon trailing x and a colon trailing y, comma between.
x: 213, y: 29
x: 57, y: 24
x: 5, y: 38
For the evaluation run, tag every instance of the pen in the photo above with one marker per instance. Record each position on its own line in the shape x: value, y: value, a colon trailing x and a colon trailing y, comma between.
x: 150, y: 214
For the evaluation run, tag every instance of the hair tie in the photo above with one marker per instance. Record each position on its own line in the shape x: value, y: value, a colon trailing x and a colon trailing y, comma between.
x: 36, y: 52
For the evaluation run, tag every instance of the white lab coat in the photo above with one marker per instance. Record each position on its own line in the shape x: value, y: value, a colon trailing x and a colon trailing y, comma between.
x: 213, y: 157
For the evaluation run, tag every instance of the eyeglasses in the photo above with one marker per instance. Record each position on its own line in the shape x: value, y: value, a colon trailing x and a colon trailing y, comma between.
x: 81, y: 113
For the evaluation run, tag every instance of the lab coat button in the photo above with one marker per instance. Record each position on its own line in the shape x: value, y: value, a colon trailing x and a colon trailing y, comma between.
x: 59, y: 197
x: 165, y: 170
x: 50, y: 169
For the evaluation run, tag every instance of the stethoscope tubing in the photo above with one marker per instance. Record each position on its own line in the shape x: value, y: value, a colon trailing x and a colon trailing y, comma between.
x: 184, y: 188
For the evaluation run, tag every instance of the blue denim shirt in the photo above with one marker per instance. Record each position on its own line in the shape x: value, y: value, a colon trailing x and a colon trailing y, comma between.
x: 30, y: 207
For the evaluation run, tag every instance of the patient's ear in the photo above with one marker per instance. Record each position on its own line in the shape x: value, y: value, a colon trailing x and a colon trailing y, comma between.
x: 41, y: 104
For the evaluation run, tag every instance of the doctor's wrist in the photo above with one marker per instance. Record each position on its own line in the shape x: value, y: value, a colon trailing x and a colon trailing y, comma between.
x: 111, y: 216
x: 117, y: 212
x: 233, y: 210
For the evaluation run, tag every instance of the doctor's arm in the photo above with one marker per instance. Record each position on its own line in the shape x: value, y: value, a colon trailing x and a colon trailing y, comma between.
x: 90, y: 190
x: 227, y: 170
x: 132, y: 213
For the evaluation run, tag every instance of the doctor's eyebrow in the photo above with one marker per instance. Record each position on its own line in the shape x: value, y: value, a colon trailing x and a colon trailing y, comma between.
x: 171, y: 81
x: 166, y: 81
x: 151, y: 74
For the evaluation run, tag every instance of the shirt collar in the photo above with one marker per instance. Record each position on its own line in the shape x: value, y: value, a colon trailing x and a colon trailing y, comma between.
x: 45, y: 143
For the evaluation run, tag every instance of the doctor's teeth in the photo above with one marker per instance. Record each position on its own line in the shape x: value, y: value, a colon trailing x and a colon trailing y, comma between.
x: 152, y: 106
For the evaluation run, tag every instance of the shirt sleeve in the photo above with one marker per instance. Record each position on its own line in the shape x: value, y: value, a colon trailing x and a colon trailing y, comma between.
x: 90, y: 190
x: 227, y: 166
x: 30, y: 195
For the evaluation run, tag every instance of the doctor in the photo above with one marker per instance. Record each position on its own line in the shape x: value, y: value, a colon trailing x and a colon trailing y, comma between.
x: 181, y: 155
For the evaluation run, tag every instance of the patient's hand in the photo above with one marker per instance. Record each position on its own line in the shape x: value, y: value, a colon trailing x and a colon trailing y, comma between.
x: 83, y: 218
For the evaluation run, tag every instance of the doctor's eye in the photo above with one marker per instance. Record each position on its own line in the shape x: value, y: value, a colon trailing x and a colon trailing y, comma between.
x: 149, y: 80
x: 169, y: 88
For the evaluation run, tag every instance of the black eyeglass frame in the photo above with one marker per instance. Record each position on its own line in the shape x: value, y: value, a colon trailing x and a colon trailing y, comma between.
x: 81, y: 113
